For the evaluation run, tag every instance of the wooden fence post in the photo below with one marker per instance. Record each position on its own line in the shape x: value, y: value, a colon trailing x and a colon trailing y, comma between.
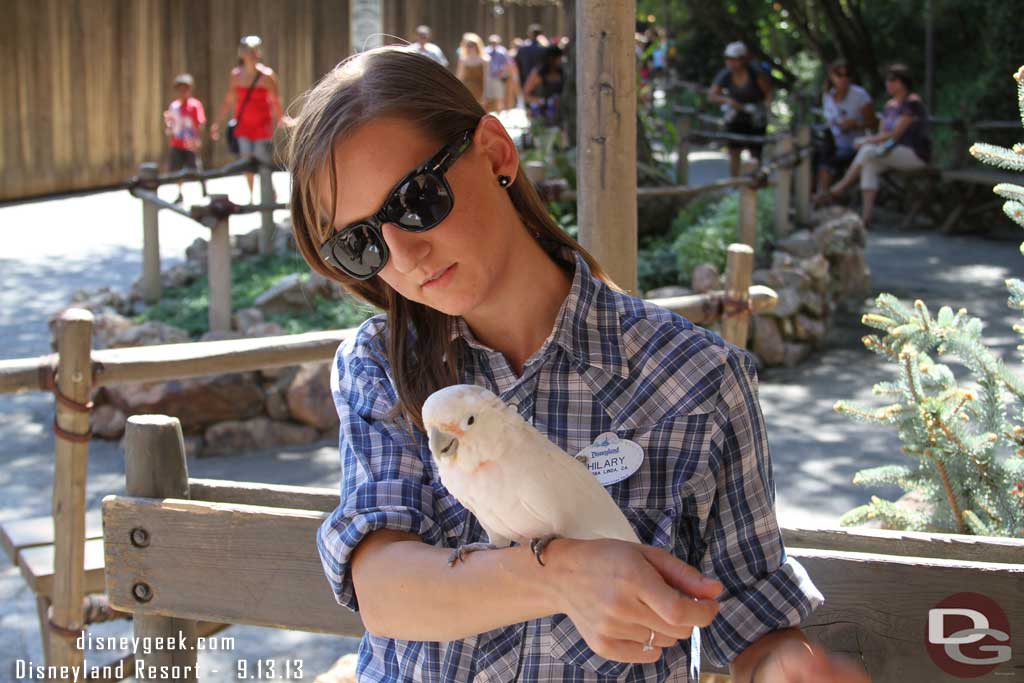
x: 155, y: 467
x: 606, y: 136
x: 739, y: 266
x: 151, y: 288
x: 267, y: 197
x: 71, y: 427
x: 783, y: 187
x: 748, y: 207
x: 803, y: 174
x: 219, y: 273
x: 683, y: 150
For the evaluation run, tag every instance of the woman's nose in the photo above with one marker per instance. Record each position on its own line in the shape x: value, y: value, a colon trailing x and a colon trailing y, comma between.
x: 408, y: 249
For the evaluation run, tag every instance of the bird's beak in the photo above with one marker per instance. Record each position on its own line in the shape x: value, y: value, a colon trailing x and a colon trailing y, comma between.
x: 442, y: 444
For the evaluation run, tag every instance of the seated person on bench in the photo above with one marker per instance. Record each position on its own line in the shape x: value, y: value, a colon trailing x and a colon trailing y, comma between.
x: 850, y: 113
x: 902, y: 142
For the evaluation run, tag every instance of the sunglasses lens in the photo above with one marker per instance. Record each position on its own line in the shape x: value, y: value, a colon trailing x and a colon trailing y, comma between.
x: 358, y: 251
x: 420, y: 203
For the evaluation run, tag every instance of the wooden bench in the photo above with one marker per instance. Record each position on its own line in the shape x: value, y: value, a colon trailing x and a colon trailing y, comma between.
x: 246, y: 553
x: 972, y: 187
x: 915, y: 191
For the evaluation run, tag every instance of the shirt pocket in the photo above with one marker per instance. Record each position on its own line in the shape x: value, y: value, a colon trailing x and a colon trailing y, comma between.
x: 654, y: 527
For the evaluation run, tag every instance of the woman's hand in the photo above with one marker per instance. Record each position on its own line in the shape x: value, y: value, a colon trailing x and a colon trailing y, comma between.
x: 797, y: 662
x: 618, y: 593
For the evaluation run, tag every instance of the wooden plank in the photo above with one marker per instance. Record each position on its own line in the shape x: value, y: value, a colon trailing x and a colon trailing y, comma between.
x: 19, y: 534
x: 982, y: 176
x: 876, y: 607
x: 244, y: 564
x: 37, y: 567
x: 909, y: 543
x: 319, y: 499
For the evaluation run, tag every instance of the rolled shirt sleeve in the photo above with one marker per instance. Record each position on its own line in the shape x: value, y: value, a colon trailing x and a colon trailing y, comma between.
x: 385, y: 483
x: 764, y: 589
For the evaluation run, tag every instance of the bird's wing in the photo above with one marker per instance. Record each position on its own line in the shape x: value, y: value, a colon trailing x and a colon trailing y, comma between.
x: 561, y: 491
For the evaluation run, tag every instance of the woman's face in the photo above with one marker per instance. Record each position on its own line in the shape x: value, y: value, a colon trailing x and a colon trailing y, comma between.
x: 840, y: 78
x: 451, y: 267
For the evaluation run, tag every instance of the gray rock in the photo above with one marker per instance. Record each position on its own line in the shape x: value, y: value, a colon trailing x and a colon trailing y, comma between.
x: 264, y: 330
x: 107, y: 422
x: 276, y: 406
x: 197, y: 253
x: 245, y: 318
x: 221, y: 335
x: 233, y: 436
x: 854, y: 275
x: 179, y: 275
x: 782, y: 260
x: 813, y: 302
x: 248, y: 243
x: 705, y: 278
x: 818, y: 268
x: 768, y: 342
x: 800, y: 244
x: 309, y: 396
x: 810, y: 329
x: 286, y: 296
x: 149, y: 333
x: 788, y: 304
x: 193, y: 446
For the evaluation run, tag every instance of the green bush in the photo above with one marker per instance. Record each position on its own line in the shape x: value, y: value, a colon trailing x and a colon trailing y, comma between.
x: 708, y: 240
x: 187, y: 307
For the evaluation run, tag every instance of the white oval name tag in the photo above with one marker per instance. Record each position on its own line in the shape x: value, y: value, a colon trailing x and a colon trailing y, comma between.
x: 611, y: 459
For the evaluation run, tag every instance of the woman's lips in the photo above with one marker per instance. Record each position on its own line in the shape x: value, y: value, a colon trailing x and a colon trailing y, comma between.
x: 441, y: 278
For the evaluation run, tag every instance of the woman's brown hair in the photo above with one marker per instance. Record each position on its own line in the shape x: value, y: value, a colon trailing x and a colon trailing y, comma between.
x: 394, y: 82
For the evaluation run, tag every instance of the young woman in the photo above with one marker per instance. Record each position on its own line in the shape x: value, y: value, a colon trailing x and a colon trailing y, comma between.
x: 413, y: 198
x: 543, y: 88
x: 849, y: 112
x: 903, y: 141
x: 474, y: 65
x: 252, y: 97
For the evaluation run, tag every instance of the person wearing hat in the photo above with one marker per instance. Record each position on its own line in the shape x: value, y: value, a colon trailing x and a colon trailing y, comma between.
x: 253, y: 97
x: 183, y: 123
x: 744, y: 93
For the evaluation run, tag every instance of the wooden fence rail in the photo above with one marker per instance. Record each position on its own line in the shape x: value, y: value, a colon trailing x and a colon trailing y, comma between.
x: 214, y: 546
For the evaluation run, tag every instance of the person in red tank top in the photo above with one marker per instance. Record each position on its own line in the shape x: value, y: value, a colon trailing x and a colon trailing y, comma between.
x: 260, y: 115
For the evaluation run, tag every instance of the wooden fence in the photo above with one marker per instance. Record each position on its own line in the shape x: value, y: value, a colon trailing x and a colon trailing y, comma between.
x: 87, y: 80
x: 240, y: 538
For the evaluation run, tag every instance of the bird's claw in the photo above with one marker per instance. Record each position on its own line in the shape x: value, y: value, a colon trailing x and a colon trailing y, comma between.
x: 537, y: 545
x: 460, y: 553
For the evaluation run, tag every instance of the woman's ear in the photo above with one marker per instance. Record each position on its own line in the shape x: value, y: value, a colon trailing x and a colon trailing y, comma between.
x: 494, y: 142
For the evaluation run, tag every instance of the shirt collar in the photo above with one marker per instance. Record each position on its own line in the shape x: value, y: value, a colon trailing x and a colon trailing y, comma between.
x: 587, y: 326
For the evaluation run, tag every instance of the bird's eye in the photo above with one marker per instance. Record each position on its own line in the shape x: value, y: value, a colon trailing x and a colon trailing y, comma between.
x: 469, y: 421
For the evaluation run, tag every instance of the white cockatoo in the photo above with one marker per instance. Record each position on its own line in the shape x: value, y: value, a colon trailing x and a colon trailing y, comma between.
x: 520, y: 486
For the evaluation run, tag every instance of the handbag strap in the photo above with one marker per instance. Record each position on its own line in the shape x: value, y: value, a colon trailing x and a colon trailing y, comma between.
x: 248, y: 94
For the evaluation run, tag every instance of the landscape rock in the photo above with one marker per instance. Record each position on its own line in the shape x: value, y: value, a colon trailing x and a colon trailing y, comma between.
x: 149, y: 333
x: 264, y: 330
x: 193, y: 446
x: 853, y: 274
x: 801, y: 244
x: 276, y: 406
x: 107, y: 422
x: 286, y: 296
x: 248, y: 243
x: 705, y: 278
x: 245, y: 318
x: 233, y: 436
x: 309, y: 396
x: 788, y: 303
x: 197, y: 402
x: 810, y: 329
x: 198, y: 252
x: 221, y: 335
x: 768, y: 343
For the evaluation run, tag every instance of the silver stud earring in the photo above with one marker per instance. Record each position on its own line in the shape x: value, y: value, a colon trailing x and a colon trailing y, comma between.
x: 504, y: 180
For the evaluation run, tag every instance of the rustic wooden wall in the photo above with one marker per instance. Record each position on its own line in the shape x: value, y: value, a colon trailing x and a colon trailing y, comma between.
x: 87, y: 81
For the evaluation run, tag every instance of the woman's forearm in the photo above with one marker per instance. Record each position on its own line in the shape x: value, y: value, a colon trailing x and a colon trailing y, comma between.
x: 406, y: 589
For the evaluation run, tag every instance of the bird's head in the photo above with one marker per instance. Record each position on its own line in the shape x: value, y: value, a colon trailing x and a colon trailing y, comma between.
x: 463, y: 423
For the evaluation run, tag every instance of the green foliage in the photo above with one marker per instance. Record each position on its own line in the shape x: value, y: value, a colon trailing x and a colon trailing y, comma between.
x: 967, y: 444
x: 707, y: 240
x: 187, y: 307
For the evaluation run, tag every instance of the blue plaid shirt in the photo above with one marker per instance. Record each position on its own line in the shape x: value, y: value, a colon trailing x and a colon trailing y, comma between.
x: 705, y: 492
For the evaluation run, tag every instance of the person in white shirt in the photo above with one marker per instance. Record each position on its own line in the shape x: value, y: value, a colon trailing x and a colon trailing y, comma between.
x: 426, y: 48
x: 850, y: 114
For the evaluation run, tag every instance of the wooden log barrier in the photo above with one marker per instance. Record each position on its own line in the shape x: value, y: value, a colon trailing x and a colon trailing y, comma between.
x: 155, y: 467
x: 783, y: 180
x: 219, y: 273
x: 151, y: 285
x: 803, y: 175
x: 71, y: 427
x: 736, y: 316
x: 267, y: 196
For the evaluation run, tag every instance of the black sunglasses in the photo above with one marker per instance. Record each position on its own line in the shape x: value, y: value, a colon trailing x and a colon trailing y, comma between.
x: 419, y: 202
